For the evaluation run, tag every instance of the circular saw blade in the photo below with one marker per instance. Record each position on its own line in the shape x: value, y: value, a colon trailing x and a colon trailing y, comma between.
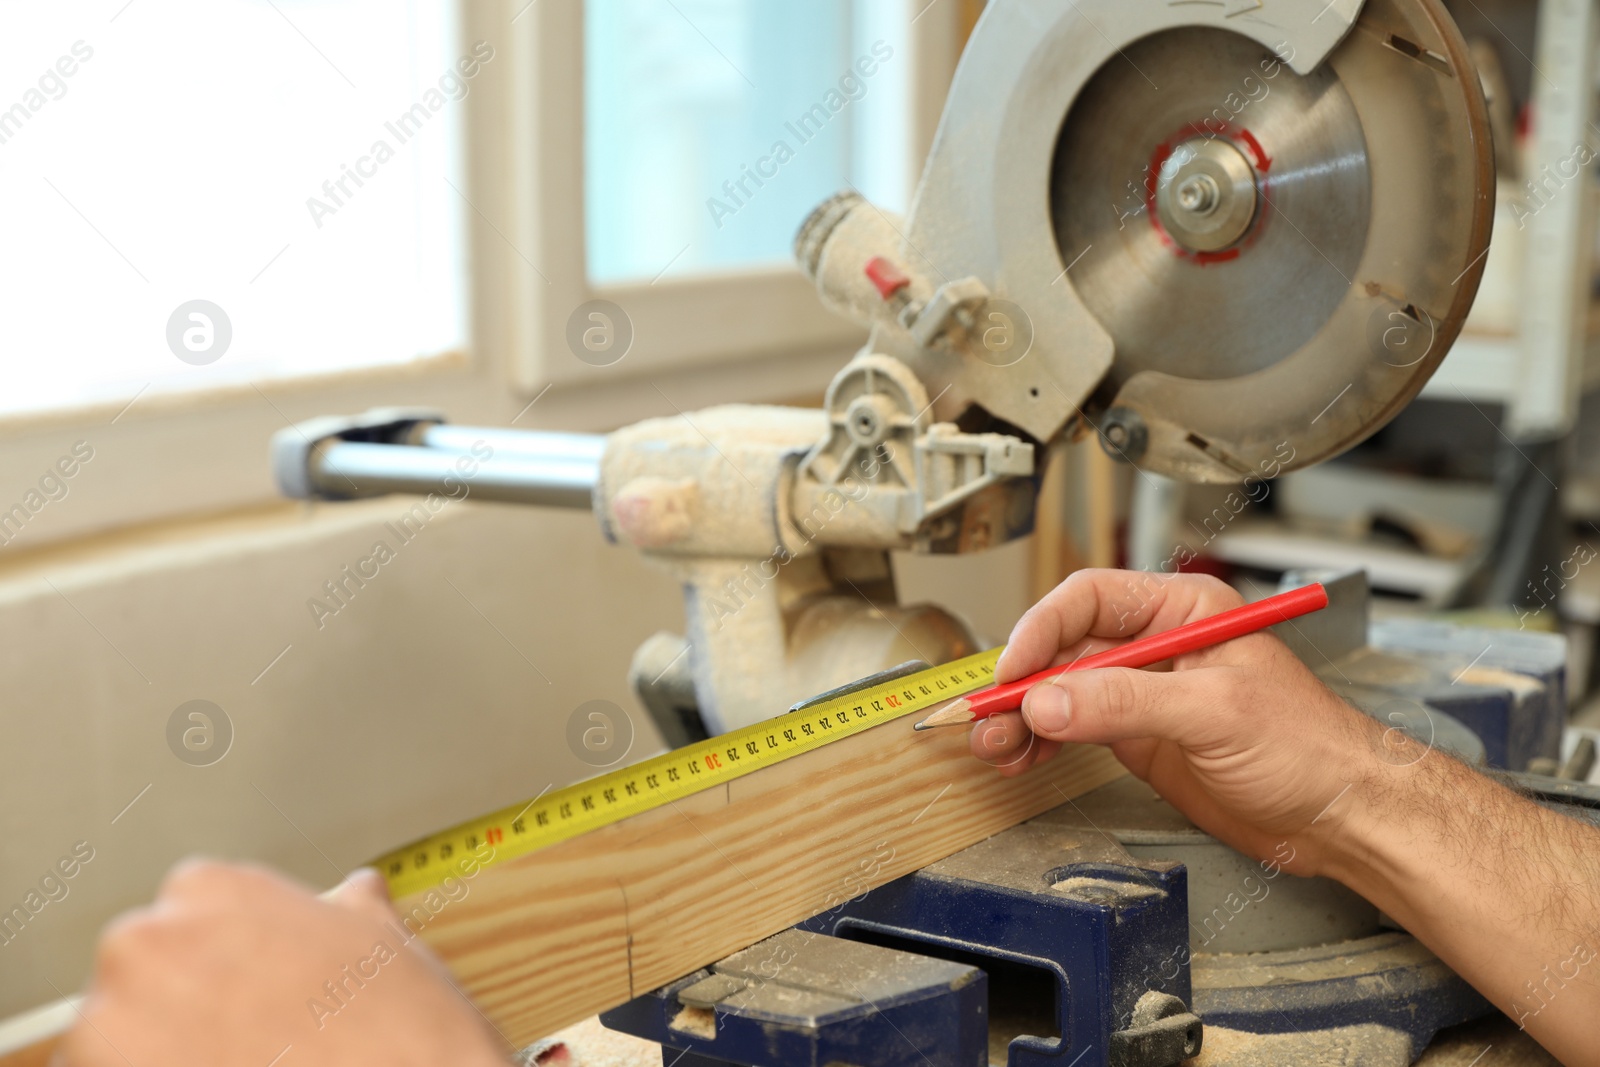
x: 1365, y: 237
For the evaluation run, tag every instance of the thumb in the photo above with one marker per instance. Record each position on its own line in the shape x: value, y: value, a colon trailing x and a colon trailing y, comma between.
x: 362, y: 889
x: 1110, y: 704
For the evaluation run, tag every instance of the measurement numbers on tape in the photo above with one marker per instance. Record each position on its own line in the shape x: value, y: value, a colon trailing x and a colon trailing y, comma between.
x: 555, y: 816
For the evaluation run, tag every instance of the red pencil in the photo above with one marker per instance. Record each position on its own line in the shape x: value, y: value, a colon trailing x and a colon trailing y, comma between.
x: 1190, y: 637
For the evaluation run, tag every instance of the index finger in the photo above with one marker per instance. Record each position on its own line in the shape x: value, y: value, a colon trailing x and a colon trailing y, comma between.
x: 1108, y: 604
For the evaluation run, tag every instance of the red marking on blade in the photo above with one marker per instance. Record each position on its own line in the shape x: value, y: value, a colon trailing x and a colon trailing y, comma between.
x: 1151, y: 182
x: 1263, y: 161
x: 1240, y: 138
x: 1216, y: 257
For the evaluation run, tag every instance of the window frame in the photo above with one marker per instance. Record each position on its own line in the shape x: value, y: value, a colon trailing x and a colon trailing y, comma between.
x: 161, y: 457
x: 759, y: 312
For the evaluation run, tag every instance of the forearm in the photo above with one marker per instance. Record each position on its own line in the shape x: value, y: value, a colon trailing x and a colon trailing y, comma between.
x: 1504, y: 891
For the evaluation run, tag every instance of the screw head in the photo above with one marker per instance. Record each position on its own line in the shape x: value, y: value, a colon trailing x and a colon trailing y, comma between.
x: 1206, y: 195
x: 1199, y: 194
x: 1123, y: 434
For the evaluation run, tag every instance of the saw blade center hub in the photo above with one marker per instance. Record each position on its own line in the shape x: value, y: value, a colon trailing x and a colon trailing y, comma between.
x: 1199, y: 194
x: 1206, y: 195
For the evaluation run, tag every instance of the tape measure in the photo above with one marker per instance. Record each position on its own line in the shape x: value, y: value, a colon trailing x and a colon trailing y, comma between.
x: 556, y: 816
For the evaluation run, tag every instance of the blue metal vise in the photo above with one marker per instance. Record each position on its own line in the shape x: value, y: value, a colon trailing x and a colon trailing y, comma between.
x: 1507, y: 687
x: 1048, y: 947
x: 805, y: 999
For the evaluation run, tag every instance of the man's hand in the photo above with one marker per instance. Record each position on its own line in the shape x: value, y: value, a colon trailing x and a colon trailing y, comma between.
x: 234, y: 966
x: 1247, y: 743
x: 1242, y: 738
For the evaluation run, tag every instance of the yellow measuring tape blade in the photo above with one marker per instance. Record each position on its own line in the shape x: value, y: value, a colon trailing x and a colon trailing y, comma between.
x: 556, y: 816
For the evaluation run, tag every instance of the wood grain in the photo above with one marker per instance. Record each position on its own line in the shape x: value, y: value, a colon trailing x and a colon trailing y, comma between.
x: 550, y: 938
x: 547, y: 939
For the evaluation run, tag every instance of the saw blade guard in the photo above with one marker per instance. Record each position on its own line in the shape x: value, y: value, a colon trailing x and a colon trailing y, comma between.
x: 1234, y: 238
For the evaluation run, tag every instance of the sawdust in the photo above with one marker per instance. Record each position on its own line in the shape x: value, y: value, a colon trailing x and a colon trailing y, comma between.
x: 1328, y: 1048
x: 1491, y: 1042
x: 1103, y: 890
x: 696, y: 1022
x: 588, y: 1044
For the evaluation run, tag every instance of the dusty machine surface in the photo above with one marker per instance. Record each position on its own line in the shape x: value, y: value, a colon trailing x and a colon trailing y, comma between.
x: 1228, y: 238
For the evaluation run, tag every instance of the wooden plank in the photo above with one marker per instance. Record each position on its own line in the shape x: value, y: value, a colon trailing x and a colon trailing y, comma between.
x: 549, y: 938
x: 545, y: 940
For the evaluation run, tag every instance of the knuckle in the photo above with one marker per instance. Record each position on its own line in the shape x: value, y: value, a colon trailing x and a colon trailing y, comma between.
x: 195, y: 873
x: 1214, y: 590
x: 1228, y: 692
x: 1030, y: 620
x: 1049, y: 603
x: 1080, y: 585
x: 199, y: 878
x: 1223, y: 703
x: 129, y: 939
x: 1087, y: 576
x: 1118, y: 695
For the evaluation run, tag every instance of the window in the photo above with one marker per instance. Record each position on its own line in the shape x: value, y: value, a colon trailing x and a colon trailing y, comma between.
x: 290, y: 163
x: 159, y: 152
x: 715, y: 126
x: 661, y: 215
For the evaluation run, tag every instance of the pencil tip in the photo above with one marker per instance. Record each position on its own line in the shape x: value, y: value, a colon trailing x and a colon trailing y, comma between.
x: 955, y: 713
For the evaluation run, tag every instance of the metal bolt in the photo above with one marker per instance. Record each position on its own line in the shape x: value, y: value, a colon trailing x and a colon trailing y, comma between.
x: 1124, y: 435
x: 1199, y: 194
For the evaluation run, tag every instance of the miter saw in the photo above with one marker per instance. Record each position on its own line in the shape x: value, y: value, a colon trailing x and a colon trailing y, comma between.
x: 1229, y: 238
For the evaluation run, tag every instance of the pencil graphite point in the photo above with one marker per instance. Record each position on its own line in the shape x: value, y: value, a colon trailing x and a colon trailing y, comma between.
x: 956, y: 713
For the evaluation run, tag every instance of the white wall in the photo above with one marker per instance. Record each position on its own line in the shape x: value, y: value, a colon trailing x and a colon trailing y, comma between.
x: 405, y: 712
